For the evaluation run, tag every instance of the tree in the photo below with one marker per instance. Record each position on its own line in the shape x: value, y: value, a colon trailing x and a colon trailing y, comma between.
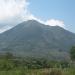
x: 9, y: 55
x: 72, y: 53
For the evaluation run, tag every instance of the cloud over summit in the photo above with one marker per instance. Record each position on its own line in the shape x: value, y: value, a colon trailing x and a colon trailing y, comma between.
x: 13, y: 12
x: 54, y: 22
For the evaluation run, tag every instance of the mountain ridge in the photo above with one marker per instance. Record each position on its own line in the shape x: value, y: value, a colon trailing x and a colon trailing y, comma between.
x: 31, y: 38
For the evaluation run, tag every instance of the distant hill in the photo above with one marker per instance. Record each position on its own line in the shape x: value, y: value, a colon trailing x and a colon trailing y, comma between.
x: 32, y: 38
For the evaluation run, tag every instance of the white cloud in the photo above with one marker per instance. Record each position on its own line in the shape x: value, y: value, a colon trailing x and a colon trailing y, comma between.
x: 54, y: 22
x: 51, y: 22
x: 13, y: 12
x: 12, y: 8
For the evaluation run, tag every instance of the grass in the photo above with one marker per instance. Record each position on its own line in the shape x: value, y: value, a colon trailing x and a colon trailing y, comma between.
x: 52, y: 71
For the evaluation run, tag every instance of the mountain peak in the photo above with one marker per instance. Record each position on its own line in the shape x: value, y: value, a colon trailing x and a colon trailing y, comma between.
x: 32, y: 21
x: 31, y: 38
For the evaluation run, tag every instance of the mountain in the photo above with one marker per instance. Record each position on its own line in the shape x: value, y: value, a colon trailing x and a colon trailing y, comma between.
x: 31, y: 38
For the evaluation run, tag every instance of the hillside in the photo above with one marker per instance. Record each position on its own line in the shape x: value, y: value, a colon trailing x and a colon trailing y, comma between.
x: 32, y: 38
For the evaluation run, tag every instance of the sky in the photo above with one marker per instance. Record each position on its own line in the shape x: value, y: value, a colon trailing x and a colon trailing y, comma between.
x: 48, y: 12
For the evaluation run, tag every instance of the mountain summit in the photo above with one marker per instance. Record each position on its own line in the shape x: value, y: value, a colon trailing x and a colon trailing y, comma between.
x: 32, y: 38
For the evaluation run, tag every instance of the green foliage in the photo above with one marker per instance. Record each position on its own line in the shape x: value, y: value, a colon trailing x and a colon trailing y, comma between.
x: 10, y: 62
x: 72, y: 53
x: 33, y: 66
x: 65, y: 64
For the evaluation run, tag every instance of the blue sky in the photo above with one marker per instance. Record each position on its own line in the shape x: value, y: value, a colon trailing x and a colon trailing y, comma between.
x: 55, y: 9
x: 48, y: 12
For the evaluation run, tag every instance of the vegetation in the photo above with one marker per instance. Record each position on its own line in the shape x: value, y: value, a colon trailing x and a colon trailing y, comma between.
x: 72, y: 53
x: 11, y: 65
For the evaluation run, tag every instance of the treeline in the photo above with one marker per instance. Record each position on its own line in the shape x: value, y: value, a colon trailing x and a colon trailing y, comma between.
x: 10, y: 62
